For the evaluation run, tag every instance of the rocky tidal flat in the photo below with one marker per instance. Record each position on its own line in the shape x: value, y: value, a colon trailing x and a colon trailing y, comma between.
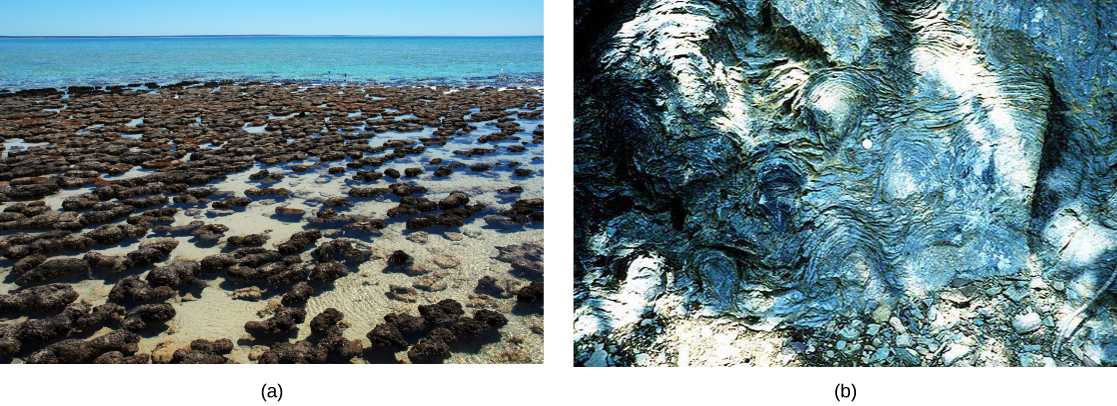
x: 845, y: 183
x: 249, y: 222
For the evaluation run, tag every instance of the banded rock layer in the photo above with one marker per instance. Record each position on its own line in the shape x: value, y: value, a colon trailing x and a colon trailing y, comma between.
x: 789, y: 162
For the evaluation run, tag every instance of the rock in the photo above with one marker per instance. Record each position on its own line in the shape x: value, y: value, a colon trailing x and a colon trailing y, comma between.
x: 418, y: 237
x: 446, y: 262
x: 1016, y: 295
x: 493, y: 319
x: 455, y: 199
x: 954, y: 352
x: 134, y: 288
x: 28, y: 263
x: 897, y: 325
x: 246, y: 240
x: 531, y: 293
x: 399, y: 258
x: 215, y: 263
x: 117, y: 357
x: 53, y: 269
x: 43, y: 298
x: 257, y: 351
x: 250, y: 293
x: 489, y: 285
x: 299, y: 352
x: 337, y: 201
x: 880, y: 355
x: 326, y: 252
x: 598, y: 359
x: 204, y: 352
x: 1026, y: 323
x: 181, y: 271
x: 850, y: 332
x: 283, y: 210
x: 443, y: 312
x: 289, y: 274
x: 284, y: 320
x: 299, y: 241
x: 325, y: 323
x: 1029, y: 360
x: 882, y: 313
x: 402, y: 293
x: 140, y: 316
x: 661, y: 71
x: 430, y: 283
x: 387, y: 335
x: 428, y: 351
x: 872, y: 329
x: 328, y: 272
x: 299, y: 294
x: 643, y: 360
x: 903, y: 341
x: 164, y: 351
x: 469, y: 329
x: 909, y: 356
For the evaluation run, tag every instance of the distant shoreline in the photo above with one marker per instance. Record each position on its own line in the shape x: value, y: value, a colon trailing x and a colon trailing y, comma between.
x: 266, y: 36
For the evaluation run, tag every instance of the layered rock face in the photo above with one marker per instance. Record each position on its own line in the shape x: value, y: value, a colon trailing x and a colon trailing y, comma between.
x: 786, y: 163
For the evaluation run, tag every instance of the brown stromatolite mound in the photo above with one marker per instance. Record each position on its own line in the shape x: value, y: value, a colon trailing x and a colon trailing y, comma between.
x: 282, y: 210
x: 299, y: 241
x: 203, y: 351
x: 299, y: 294
x: 27, y: 263
x: 134, y: 288
x: 141, y: 316
x: 299, y: 352
x: 48, y: 243
x: 181, y: 271
x: 245, y: 240
x: 43, y: 298
x: 326, y: 251
x: 284, y: 320
x: 328, y: 272
x: 76, y: 350
x: 53, y: 269
x: 531, y: 293
x: 337, y: 201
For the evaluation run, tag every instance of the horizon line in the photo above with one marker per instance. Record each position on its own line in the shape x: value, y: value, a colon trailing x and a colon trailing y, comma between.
x: 254, y: 36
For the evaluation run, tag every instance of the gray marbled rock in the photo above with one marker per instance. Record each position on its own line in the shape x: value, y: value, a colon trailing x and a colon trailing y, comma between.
x: 796, y: 160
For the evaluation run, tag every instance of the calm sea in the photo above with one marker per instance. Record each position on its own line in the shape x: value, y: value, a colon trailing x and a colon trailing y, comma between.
x: 37, y: 63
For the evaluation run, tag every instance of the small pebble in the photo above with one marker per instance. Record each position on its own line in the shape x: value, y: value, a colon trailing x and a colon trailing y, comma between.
x: 954, y: 353
x: 882, y: 313
x: 903, y: 341
x: 897, y: 325
x: 1026, y: 323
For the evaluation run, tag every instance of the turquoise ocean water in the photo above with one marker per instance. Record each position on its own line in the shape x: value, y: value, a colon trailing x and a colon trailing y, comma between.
x: 502, y: 61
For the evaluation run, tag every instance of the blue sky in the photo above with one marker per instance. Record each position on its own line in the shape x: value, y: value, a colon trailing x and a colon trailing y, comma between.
x: 280, y: 17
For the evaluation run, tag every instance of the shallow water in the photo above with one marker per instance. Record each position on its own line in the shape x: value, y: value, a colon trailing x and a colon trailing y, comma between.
x: 37, y: 63
x: 215, y: 314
